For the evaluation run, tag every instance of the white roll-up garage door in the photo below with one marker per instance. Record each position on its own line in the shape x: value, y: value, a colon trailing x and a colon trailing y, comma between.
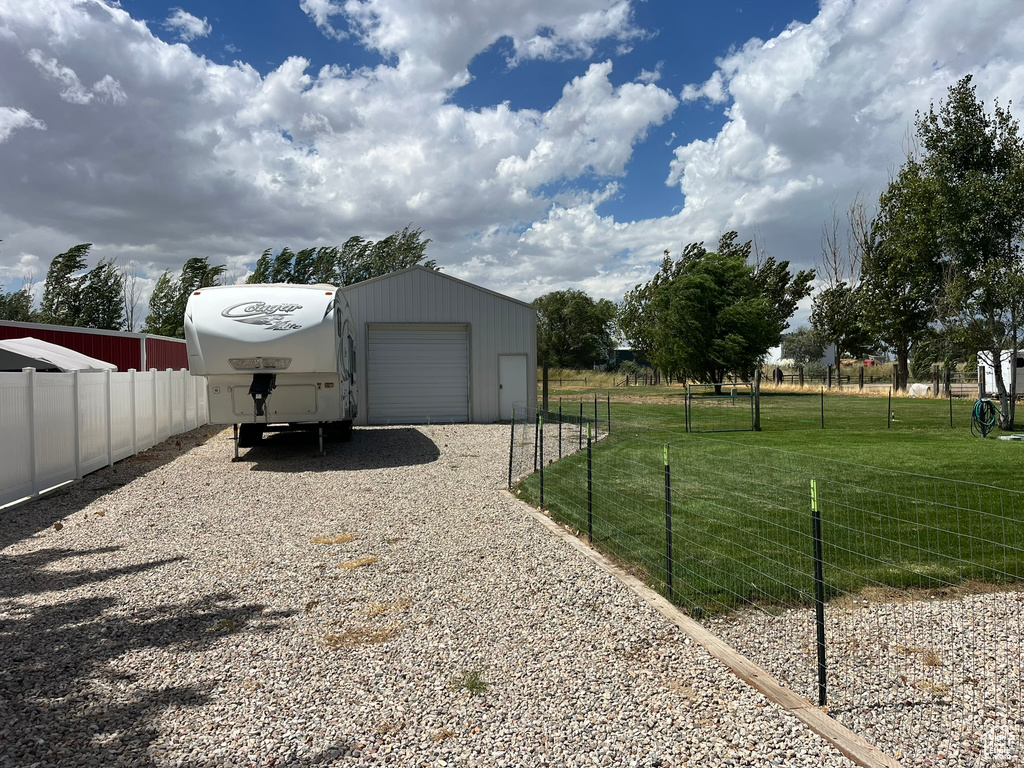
x: 418, y: 374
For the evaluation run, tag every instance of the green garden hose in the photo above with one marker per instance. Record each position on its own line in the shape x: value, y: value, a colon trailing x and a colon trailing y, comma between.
x: 983, y: 417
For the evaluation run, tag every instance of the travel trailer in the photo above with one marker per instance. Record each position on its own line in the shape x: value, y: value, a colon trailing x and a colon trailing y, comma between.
x: 987, y: 374
x: 276, y: 357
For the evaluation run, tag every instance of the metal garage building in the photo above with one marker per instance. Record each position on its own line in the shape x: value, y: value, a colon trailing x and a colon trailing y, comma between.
x: 439, y: 349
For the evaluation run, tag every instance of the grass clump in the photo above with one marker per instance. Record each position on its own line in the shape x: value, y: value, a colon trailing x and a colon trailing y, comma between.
x: 472, y: 681
x: 334, y: 538
x: 360, y: 635
x: 359, y: 562
x: 384, y: 609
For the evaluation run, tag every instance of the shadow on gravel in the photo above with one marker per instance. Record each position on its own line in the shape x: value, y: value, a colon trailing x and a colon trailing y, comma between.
x: 370, y: 448
x: 21, y: 522
x: 60, y: 700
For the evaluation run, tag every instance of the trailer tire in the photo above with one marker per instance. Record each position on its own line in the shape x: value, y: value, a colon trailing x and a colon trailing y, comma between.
x: 345, y: 433
x: 249, y: 435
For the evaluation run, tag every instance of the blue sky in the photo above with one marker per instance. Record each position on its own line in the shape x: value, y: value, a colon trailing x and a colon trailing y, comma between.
x: 540, y: 145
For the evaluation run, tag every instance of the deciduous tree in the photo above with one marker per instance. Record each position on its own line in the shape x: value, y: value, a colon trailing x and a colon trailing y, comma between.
x: 62, y: 291
x: 975, y: 160
x: 709, y: 314
x: 573, y: 330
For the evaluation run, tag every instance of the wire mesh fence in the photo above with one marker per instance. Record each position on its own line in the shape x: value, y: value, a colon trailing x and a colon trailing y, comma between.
x: 920, y: 576
x: 824, y: 409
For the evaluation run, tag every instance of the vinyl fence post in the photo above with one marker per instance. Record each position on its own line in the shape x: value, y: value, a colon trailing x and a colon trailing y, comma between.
x: 109, y: 388
x: 170, y: 402
x: 156, y: 418
x: 590, y: 489
x: 511, y: 447
x: 668, y: 525
x: 131, y: 400
x: 540, y: 422
x: 76, y: 389
x: 819, y: 594
x: 34, y: 463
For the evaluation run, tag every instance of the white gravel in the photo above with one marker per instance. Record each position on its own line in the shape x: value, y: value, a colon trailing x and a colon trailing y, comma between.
x: 174, y: 611
x: 931, y: 678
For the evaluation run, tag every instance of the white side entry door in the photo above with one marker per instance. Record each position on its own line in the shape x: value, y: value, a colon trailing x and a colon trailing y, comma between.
x: 512, y: 383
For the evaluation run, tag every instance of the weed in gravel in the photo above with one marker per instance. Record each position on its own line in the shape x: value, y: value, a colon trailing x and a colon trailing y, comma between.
x: 382, y: 609
x: 471, y: 680
x: 931, y: 657
x: 444, y: 733
x: 360, y: 635
x: 311, y: 605
x: 389, y: 726
x: 334, y: 538
x: 359, y: 562
x: 229, y: 624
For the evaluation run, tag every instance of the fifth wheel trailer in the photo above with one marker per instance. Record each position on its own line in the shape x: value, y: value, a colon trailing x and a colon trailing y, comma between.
x: 275, y: 357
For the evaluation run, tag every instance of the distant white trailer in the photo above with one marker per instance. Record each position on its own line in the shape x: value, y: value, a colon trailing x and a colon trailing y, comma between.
x: 987, y: 374
x: 275, y: 357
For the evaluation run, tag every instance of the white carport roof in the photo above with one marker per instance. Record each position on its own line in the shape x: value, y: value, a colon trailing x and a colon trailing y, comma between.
x: 28, y: 352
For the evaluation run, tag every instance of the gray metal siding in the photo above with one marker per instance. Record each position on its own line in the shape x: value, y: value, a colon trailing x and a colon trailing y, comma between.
x: 498, y: 325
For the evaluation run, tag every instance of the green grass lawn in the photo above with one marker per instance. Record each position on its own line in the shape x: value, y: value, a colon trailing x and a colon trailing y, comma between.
x: 906, y: 503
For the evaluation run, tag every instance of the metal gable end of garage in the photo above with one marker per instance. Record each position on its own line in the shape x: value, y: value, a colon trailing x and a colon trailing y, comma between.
x: 418, y: 373
x: 436, y: 349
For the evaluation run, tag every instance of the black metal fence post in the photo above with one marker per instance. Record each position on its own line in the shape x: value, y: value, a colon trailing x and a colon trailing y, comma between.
x: 822, y: 407
x: 540, y: 422
x: 668, y: 526
x: 536, y: 437
x: 511, y: 447
x: 559, y: 429
x: 590, y: 489
x: 597, y: 424
x: 687, y: 408
x: 580, y: 446
x: 608, y: 399
x: 888, y: 414
x: 819, y: 593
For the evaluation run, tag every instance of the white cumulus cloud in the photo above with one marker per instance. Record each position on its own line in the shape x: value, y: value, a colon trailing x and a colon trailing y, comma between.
x: 11, y: 119
x: 187, y: 26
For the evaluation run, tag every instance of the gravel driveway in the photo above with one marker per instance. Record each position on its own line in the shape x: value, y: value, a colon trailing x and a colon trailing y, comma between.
x: 181, y: 609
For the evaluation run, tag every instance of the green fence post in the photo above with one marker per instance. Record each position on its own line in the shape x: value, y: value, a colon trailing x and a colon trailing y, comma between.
x: 668, y: 526
x: 819, y: 593
x: 590, y: 489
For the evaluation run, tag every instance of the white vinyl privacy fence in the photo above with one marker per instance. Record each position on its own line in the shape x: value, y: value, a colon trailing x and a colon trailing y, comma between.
x: 56, y: 427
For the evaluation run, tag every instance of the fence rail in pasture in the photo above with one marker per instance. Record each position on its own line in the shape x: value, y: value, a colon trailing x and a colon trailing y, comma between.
x: 62, y: 426
x: 920, y: 577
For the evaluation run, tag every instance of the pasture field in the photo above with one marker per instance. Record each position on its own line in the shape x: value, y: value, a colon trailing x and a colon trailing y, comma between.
x: 905, y: 502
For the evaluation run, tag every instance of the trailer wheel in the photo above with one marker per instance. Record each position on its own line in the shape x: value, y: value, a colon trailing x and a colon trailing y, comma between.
x: 249, y: 435
x: 344, y: 430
